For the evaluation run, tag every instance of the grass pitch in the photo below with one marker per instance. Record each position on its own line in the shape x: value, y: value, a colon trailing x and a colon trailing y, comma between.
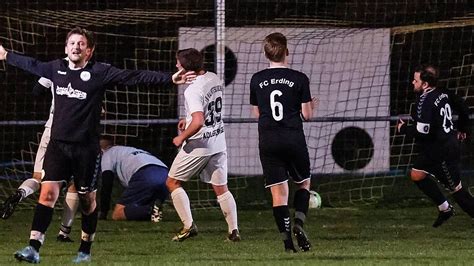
x: 340, y: 236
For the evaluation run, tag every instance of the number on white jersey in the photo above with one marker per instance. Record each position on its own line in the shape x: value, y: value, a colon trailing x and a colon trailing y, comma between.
x: 215, y: 109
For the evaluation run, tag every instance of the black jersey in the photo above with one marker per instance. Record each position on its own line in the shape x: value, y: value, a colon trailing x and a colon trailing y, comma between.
x: 279, y: 93
x: 433, y: 122
x: 79, y: 93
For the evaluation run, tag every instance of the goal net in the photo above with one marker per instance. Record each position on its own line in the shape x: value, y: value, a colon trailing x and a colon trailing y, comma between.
x: 359, y: 56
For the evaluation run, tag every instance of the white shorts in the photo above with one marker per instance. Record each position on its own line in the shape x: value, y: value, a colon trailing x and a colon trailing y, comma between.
x: 211, y: 168
x: 38, y: 167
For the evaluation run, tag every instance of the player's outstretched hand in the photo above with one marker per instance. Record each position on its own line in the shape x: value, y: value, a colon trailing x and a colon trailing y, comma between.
x: 182, y: 77
x: 3, y: 53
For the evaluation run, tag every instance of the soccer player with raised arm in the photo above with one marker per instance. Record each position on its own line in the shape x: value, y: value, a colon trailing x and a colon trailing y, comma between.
x: 203, y: 146
x: 79, y: 86
x: 141, y: 174
x: 281, y: 99
x: 438, y: 141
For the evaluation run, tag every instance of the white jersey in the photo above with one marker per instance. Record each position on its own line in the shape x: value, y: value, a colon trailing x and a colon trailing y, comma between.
x: 205, y: 95
x: 125, y: 161
x: 48, y: 84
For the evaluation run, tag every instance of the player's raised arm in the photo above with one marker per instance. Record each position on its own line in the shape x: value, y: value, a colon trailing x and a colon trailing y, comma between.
x: 134, y: 77
x: 26, y: 63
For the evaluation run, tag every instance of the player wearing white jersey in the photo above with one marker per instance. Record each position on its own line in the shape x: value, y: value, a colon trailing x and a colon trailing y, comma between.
x: 203, y: 146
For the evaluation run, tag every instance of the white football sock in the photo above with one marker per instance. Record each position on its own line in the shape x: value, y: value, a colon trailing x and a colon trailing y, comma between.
x: 444, y: 206
x: 29, y: 186
x: 229, y: 209
x: 182, y: 206
x: 71, y: 203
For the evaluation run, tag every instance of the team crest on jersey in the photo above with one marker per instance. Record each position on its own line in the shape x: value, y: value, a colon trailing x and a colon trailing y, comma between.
x: 85, y: 75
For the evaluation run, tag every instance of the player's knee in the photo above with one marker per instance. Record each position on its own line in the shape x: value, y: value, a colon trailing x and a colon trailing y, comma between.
x: 37, y: 176
x: 115, y: 217
x: 48, y: 198
x: 219, y: 190
x: 87, y: 202
x: 119, y: 213
x: 305, y: 184
x: 172, y: 184
x: 417, y: 175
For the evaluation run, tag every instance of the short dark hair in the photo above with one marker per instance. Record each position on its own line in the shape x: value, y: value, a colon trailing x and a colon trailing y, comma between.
x: 190, y: 59
x: 89, y: 35
x: 275, y: 47
x: 109, y: 139
x: 428, y: 74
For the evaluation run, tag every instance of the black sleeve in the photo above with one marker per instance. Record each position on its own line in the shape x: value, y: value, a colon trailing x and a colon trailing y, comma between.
x: 42, y: 69
x: 114, y: 75
x: 106, y: 191
x: 39, y: 90
x: 253, y: 92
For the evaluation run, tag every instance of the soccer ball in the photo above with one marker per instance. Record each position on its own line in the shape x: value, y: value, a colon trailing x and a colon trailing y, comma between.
x: 314, y: 200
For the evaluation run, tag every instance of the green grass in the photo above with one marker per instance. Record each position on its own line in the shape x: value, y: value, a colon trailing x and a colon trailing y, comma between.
x: 340, y: 236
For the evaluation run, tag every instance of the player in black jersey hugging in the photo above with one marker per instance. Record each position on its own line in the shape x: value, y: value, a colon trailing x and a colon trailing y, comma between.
x: 438, y: 141
x: 78, y: 86
x: 281, y: 99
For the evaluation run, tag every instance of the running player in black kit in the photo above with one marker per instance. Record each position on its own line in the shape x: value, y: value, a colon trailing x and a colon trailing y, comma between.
x: 281, y: 99
x: 79, y: 86
x: 439, y: 154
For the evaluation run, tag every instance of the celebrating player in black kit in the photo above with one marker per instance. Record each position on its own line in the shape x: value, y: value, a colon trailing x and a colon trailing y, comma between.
x: 439, y: 154
x: 73, y: 150
x: 281, y: 99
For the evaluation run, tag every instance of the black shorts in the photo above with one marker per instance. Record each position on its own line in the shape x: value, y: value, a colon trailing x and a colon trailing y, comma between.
x: 81, y: 161
x: 283, y: 154
x: 443, y: 163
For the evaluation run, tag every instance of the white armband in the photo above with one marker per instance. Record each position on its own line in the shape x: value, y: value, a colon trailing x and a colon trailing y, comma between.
x: 423, y: 128
x: 45, y: 82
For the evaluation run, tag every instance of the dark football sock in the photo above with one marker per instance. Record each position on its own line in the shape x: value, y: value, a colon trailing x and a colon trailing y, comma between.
x: 431, y: 189
x: 301, y: 203
x: 282, y: 219
x: 465, y: 200
x: 85, y: 247
x: 41, y: 220
x: 89, y: 226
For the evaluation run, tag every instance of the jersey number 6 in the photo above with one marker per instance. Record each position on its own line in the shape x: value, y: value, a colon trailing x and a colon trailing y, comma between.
x: 277, y: 107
